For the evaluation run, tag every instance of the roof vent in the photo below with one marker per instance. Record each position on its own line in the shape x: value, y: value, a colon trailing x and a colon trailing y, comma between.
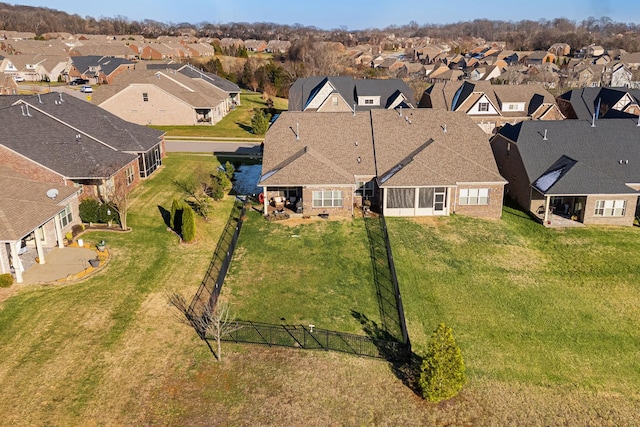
x: 544, y: 137
x: 356, y: 143
x: 39, y: 99
x: 444, y: 128
x: 638, y: 121
x: 593, y: 121
x: 60, y: 96
x: 359, y: 159
x: 22, y: 109
x: 297, y: 131
x: 27, y: 108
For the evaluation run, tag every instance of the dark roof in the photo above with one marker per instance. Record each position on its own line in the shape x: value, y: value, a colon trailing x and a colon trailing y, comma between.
x: 107, y: 64
x: 194, y: 73
x: 304, y: 89
x: 584, y: 101
x: 73, y: 138
x: 605, y: 157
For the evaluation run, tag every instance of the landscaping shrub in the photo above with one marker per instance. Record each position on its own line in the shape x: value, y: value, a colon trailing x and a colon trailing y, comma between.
x: 175, y: 222
x: 77, y: 229
x: 6, y: 280
x: 107, y: 213
x: 89, y: 210
x: 260, y: 122
x: 188, y: 223
x: 442, y: 373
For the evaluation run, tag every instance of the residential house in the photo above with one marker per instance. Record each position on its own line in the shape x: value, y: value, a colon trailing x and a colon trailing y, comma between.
x: 491, y: 106
x: 228, y: 88
x: 560, y: 49
x: 343, y: 93
x: 253, y: 45
x: 594, y: 50
x: 35, y: 217
x: 406, y: 162
x: 539, y: 57
x: 278, y: 46
x: 34, y: 68
x: 619, y: 75
x: 631, y: 59
x: 157, y: 51
x: 572, y: 170
x: 162, y: 97
x: 62, y: 139
x: 98, y: 69
x: 594, y: 103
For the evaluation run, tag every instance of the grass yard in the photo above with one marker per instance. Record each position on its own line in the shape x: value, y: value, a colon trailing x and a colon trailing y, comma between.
x: 528, y: 305
x: 314, y: 272
x: 547, y: 321
x: 236, y: 124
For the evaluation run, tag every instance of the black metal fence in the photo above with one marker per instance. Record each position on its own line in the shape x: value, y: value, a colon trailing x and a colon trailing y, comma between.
x: 207, y: 295
x: 311, y: 338
x: 386, y: 280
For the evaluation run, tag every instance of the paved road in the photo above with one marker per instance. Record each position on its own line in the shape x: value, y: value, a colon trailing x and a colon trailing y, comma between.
x: 235, y: 148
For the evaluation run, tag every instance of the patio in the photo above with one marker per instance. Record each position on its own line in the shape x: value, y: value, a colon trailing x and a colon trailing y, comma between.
x: 61, y: 263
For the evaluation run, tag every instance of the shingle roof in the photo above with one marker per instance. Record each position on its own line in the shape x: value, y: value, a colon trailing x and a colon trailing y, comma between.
x: 192, y: 72
x: 24, y: 204
x: 47, y: 132
x: 304, y: 89
x: 585, y: 101
x: 107, y: 64
x: 411, y: 149
x: 607, y: 155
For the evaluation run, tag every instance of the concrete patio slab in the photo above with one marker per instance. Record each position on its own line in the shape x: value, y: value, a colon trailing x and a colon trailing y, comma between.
x: 60, y: 263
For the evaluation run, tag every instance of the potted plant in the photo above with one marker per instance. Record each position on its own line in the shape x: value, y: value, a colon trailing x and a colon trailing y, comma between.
x: 94, y: 262
x: 101, y: 245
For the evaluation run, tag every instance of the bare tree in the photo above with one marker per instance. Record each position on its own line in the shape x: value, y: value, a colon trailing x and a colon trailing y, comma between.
x: 216, y: 322
x: 114, y: 192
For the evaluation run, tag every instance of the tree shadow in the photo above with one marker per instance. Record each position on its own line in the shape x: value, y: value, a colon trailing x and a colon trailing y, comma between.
x: 244, y: 127
x: 405, y: 366
x: 166, y: 215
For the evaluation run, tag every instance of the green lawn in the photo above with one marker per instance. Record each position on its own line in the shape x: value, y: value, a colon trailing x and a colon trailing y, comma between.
x: 527, y: 304
x: 236, y: 124
x: 547, y: 321
x: 314, y: 272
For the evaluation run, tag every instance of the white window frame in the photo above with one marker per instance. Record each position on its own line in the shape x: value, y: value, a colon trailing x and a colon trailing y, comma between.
x: 473, y: 196
x: 483, y: 107
x: 327, y: 199
x: 66, y: 216
x: 130, y: 175
x: 610, y: 208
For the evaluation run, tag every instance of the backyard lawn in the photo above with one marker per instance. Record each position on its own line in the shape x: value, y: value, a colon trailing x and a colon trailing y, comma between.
x: 236, y: 124
x: 314, y: 272
x: 547, y: 321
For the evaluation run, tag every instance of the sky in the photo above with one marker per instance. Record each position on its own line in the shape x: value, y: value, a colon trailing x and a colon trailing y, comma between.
x: 349, y: 14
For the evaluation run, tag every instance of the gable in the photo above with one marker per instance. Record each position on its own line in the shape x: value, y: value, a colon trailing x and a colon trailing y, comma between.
x: 482, y: 106
x: 319, y: 95
x: 334, y: 103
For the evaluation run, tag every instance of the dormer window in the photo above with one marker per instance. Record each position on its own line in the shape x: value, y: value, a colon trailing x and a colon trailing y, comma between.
x: 483, y: 106
x: 368, y: 102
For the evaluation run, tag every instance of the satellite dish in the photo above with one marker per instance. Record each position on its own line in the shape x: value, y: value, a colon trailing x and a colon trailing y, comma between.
x: 52, y: 193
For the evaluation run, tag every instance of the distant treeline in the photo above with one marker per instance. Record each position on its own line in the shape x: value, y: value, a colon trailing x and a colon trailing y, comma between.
x: 520, y: 35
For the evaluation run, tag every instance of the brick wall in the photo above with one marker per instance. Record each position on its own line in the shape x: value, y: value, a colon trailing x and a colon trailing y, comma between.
x: 627, y: 220
x: 28, y: 167
x: 347, y: 202
x: 491, y: 210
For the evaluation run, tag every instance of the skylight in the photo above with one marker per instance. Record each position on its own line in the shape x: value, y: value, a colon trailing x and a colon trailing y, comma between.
x: 546, y: 181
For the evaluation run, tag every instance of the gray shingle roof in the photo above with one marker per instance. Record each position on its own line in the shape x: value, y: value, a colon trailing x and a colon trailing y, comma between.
x: 192, y: 72
x: 607, y: 155
x: 107, y: 64
x: 49, y: 136
x: 584, y: 101
x: 304, y: 89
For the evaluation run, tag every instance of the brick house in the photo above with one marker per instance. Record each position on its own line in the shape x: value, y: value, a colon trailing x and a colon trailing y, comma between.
x: 577, y: 170
x: 407, y: 162
x: 35, y: 216
x: 65, y: 140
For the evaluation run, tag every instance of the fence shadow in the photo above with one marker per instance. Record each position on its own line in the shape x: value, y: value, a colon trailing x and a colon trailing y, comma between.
x: 404, y: 363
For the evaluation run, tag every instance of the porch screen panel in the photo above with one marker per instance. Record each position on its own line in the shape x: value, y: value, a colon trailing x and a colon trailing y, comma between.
x: 425, y: 198
x: 401, y: 198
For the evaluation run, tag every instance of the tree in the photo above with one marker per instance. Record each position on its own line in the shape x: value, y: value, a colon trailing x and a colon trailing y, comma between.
x: 443, y: 373
x: 260, y: 122
x: 175, y: 220
x: 217, y: 322
x: 114, y: 192
x: 188, y: 223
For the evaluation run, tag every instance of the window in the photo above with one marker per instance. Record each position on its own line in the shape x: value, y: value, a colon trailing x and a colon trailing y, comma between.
x: 145, y: 96
x: 513, y: 107
x: 334, y: 101
x: 474, y: 196
x: 610, y: 207
x: 398, y: 198
x: 364, y: 189
x: 129, y: 173
x: 66, y: 216
x: 327, y: 199
x: 368, y: 102
x: 483, y: 106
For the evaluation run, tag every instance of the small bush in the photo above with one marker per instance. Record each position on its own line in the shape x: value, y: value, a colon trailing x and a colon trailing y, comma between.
x: 69, y: 236
x: 443, y: 373
x: 77, y: 229
x: 89, y: 210
x: 188, y: 223
x: 6, y: 280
